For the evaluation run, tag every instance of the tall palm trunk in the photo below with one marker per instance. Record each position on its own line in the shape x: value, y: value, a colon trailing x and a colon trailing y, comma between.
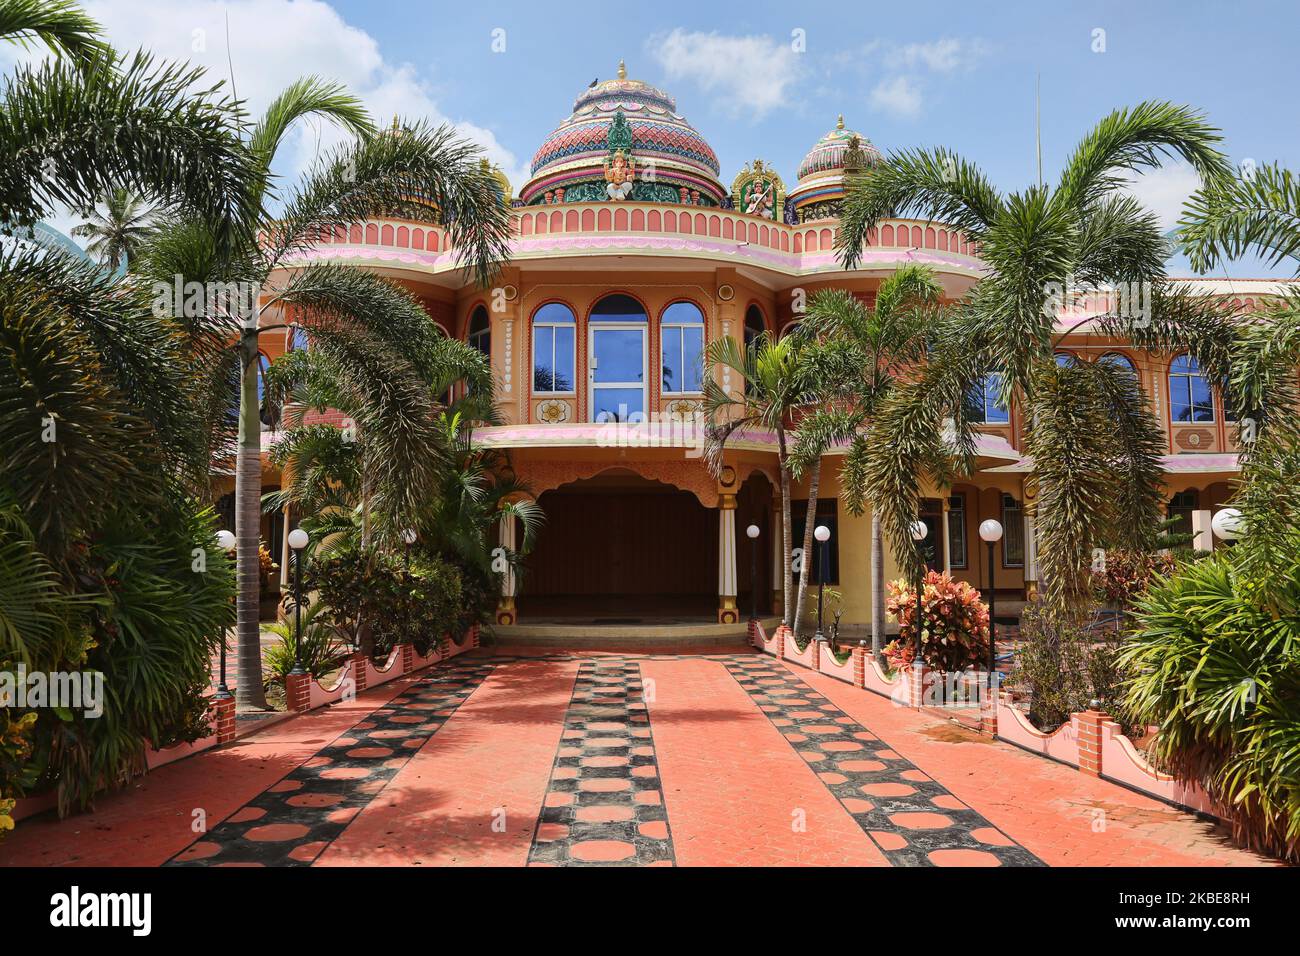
x: 787, y: 575
x: 877, y: 584
x: 248, y: 524
x: 810, y: 520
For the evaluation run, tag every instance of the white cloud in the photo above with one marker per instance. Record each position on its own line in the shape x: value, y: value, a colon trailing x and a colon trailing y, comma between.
x: 945, y: 55
x: 751, y: 73
x: 273, y: 43
x: 1164, y: 190
x: 898, y: 96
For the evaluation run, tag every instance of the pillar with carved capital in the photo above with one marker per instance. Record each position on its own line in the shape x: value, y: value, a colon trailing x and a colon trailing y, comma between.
x: 1029, y: 507
x: 1031, y: 557
x: 506, y: 613
x: 727, y: 611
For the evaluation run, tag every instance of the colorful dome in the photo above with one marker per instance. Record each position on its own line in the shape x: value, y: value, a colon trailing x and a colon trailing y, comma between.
x: 573, y: 157
x: 821, y: 174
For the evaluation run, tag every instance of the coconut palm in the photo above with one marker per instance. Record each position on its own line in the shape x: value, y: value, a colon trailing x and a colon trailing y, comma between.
x: 862, y: 354
x: 359, y: 318
x: 773, y: 383
x: 1094, y: 443
x: 116, y: 233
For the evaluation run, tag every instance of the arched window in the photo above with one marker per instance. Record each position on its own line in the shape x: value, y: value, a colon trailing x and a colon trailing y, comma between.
x: 553, y: 342
x: 618, y: 335
x: 681, y: 337
x: 480, y: 331
x: 754, y: 324
x: 1190, y: 398
x: 1065, y: 359
x: 790, y: 327
x: 299, y: 341
x: 1119, y: 361
x: 618, y: 308
x: 983, y: 404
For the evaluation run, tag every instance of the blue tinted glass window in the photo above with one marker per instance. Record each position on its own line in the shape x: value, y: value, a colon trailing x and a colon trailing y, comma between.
x: 553, y: 349
x: 618, y: 308
x: 682, y: 348
x: 982, y: 403
x: 1190, y: 396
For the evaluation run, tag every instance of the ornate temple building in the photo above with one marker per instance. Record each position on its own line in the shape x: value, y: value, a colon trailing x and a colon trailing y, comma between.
x: 631, y: 251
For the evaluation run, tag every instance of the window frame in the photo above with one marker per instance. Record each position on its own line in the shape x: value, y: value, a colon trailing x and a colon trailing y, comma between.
x: 957, y: 522
x: 664, y: 324
x: 985, y: 399
x: 1193, y: 371
x: 552, y: 325
x: 1018, y: 509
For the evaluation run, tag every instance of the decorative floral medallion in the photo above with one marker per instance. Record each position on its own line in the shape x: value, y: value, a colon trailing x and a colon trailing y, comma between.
x: 726, y: 292
x: 683, y: 410
x: 553, y: 411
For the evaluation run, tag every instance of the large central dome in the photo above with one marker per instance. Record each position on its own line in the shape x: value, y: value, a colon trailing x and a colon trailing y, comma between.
x: 570, y: 166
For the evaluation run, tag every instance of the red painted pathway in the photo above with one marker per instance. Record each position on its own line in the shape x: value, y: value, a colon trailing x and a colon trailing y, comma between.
x: 692, y: 760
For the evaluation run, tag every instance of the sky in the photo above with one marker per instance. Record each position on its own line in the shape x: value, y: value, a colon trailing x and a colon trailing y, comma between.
x: 765, y: 80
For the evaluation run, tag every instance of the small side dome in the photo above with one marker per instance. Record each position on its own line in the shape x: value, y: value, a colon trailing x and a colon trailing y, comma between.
x: 840, y: 154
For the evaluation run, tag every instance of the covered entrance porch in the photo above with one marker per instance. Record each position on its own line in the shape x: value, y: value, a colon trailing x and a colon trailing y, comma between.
x: 642, y: 549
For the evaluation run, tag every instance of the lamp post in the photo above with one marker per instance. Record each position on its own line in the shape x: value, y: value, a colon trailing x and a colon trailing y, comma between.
x: 752, y: 533
x: 919, y: 531
x: 408, y: 539
x: 226, y: 542
x: 822, y: 534
x: 297, y: 541
x: 1228, y: 525
x: 991, y: 533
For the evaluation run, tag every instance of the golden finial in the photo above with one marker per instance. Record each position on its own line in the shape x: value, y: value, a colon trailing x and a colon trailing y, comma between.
x: 840, y: 124
x: 622, y: 70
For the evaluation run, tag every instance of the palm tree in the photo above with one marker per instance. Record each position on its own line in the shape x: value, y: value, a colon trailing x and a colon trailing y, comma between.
x: 359, y: 318
x: 59, y: 24
x: 95, y: 414
x: 1211, y: 655
x: 117, y: 232
x: 862, y: 354
x: 75, y: 127
x: 1095, y: 444
x: 773, y: 384
x: 329, y: 472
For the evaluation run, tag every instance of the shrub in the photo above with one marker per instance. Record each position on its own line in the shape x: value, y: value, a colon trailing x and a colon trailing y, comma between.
x: 1216, y: 666
x: 954, y: 623
x: 1063, y: 665
x: 323, y: 649
x: 395, y: 603
x: 1129, y: 573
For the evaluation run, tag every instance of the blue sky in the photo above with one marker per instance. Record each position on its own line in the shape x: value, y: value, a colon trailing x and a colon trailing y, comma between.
x: 960, y: 75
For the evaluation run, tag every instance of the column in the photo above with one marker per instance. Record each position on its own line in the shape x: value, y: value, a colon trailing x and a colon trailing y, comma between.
x: 945, y: 541
x: 1031, y: 557
x: 727, y: 611
x: 506, y: 613
x: 1203, y: 536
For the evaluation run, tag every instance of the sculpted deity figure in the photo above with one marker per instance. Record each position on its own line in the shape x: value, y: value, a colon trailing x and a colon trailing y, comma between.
x: 620, y: 169
x: 760, y: 200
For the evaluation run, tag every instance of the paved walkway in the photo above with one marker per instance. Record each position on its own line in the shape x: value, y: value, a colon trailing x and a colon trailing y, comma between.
x: 588, y: 759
